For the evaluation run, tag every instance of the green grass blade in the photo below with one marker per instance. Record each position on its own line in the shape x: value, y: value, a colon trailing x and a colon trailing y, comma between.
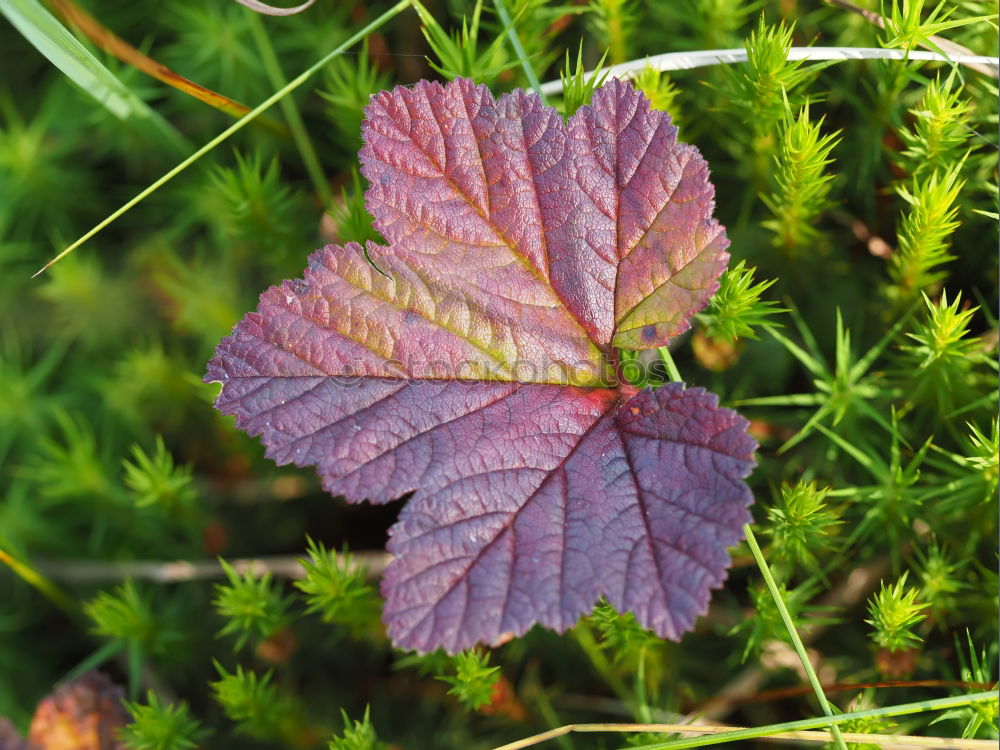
x: 668, y: 362
x: 94, y: 660
x: 862, y: 365
x: 793, y: 634
x: 515, y: 42
x: 247, y: 118
x: 792, y: 399
x: 33, y: 577
x: 302, y: 141
x: 875, y: 465
x: 903, y: 709
x: 806, y: 430
x: 811, y: 363
x: 65, y: 51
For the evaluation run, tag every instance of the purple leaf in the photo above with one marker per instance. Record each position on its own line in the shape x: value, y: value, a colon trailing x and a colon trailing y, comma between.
x: 481, y: 374
x: 637, y: 504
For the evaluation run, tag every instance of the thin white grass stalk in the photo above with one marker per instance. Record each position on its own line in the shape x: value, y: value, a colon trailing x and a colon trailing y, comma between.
x: 247, y: 118
x: 793, y: 633
x: 90, y: 572
x: 515, y: 42
x: 791, y: 729
x: 705, y: 58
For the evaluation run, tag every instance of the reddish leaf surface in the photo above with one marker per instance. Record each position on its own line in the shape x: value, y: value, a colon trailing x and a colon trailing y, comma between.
x: 522, y: 251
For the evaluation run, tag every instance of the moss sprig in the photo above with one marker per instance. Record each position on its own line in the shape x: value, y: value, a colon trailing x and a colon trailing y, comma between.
x: 335, y: 588
x: 924, y: 237
x: 358, y: 734
x: 802, y: 183
x: 473, y: 679
x: 940, y: 130
x: 736, y: 309
x: 157, y: 725
x: 256, y: 704
x: 252, y: 605
x: 802, y: 524
x: 894, y: 612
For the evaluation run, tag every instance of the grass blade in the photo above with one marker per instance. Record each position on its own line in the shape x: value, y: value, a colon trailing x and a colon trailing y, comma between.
x: 704, y: 58
x: 291, y: 112
x: 31, y: 576
x: 793, y: 634
x: 270, y: 10
x: 63, y: 50
x: 515, y: 42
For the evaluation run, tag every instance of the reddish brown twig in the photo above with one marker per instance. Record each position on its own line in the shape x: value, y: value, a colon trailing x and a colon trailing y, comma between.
x: 113, y: 44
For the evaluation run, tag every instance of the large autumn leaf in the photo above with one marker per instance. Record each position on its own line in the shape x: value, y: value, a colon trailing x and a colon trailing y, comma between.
x: 479, y: 370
